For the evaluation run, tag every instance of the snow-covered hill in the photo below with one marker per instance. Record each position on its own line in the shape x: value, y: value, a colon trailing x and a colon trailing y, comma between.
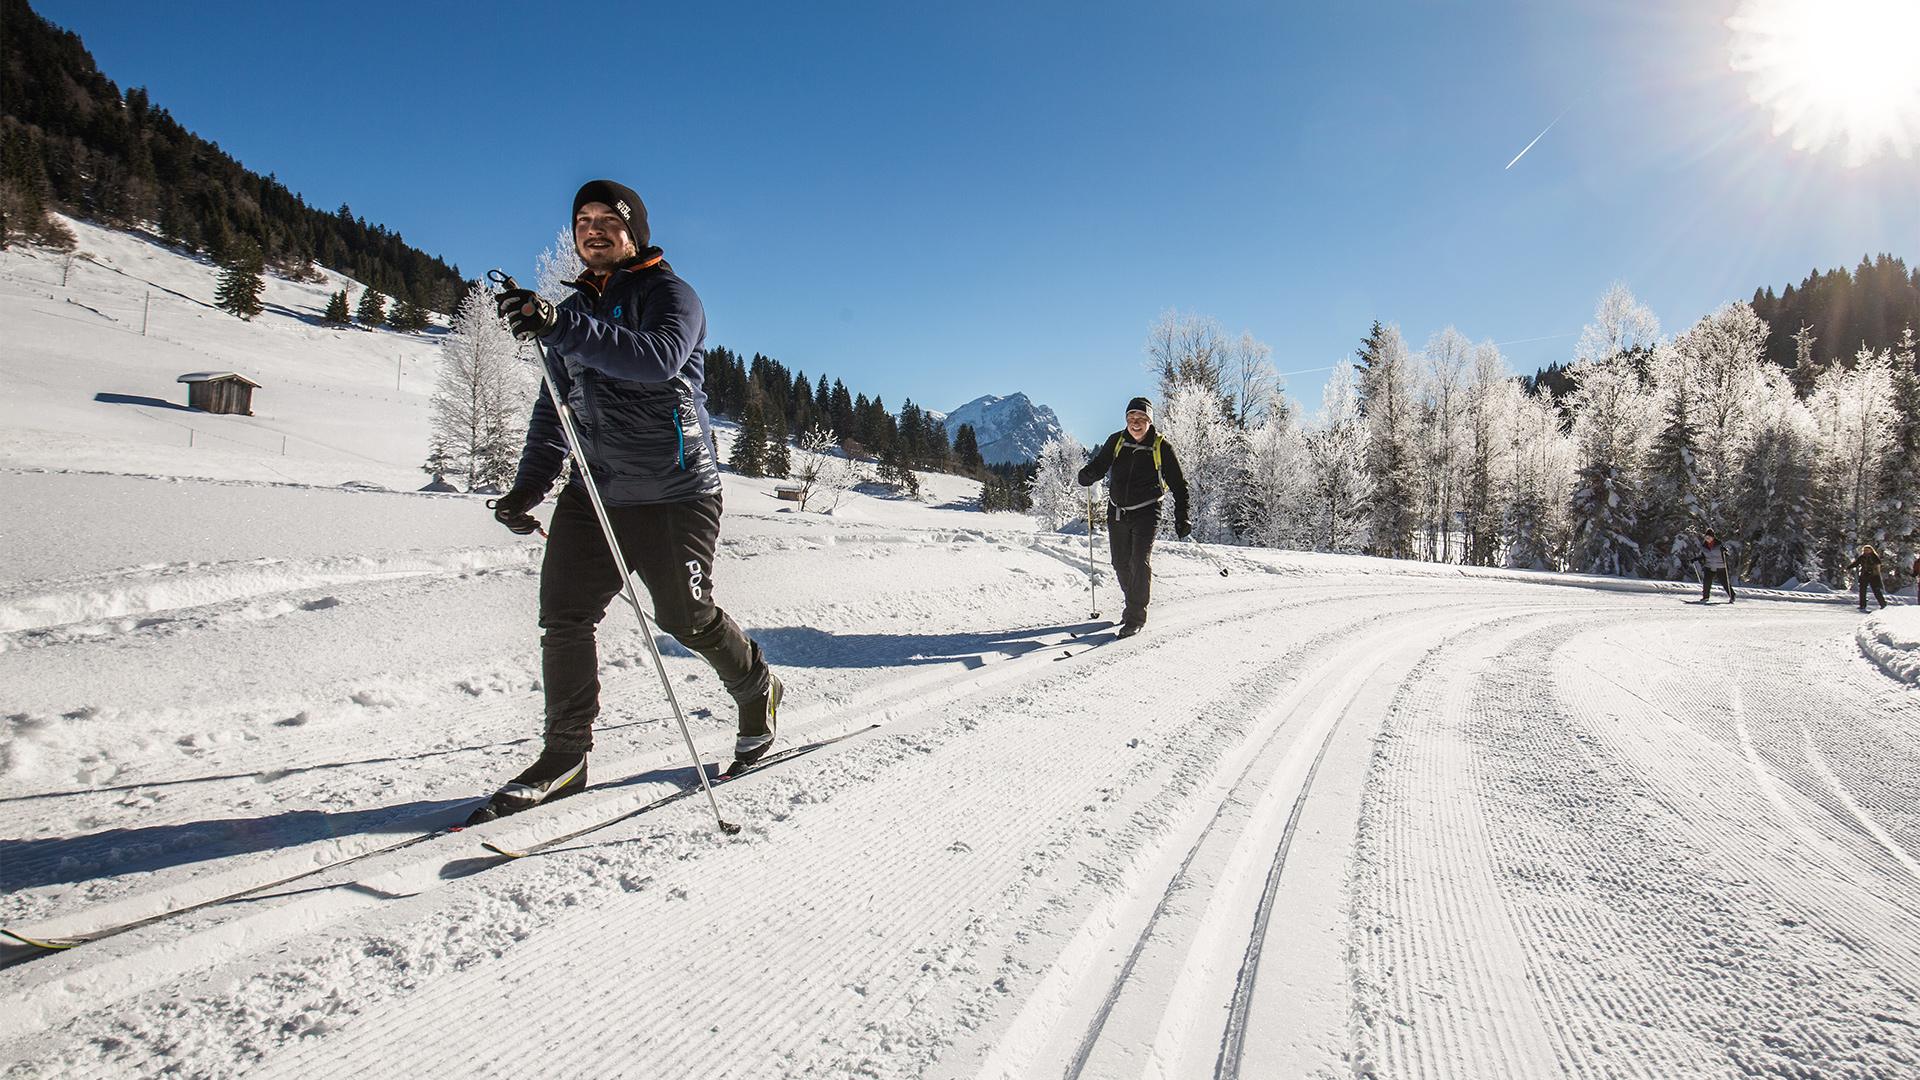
x: 1328, y: 816
x: 1008, y: 429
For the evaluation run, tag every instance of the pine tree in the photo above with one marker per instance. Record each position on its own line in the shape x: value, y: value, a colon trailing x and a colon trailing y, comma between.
x: 338, y: 312
x: 966, y: 451
x: 242, y: 283
x: 750, y: 442
x: 372, y: 311
x: 777, y: 462
x: 409, y: 316
x: 1896, y: 517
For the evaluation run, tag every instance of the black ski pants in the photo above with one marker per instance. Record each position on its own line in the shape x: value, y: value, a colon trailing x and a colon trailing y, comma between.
x: 670, y: 546
x: 1871, y: 581
x: 1130, y: 535
x: 1706, y: 582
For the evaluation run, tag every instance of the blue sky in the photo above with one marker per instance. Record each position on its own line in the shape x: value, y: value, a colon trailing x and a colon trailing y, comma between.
x: 939, y: 201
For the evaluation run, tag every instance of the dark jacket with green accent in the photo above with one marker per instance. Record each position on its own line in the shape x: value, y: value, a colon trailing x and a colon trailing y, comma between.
x: 628, y: 355
x: 1129, y: 468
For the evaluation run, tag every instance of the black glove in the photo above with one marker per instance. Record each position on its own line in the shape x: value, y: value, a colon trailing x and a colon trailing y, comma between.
x: 1182, y: 528
x: 527, y: 315
x: 511, y: 509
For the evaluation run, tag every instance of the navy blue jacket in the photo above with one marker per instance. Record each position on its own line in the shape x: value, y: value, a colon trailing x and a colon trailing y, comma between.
x: 628, y: 354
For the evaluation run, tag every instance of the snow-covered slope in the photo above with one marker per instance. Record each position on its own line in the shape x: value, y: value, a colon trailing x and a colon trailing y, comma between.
x: 1008, y: 429
x: 1328, y: 816
x: 88, y: 370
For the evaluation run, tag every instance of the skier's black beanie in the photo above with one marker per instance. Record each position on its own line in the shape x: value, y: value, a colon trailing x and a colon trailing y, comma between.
x: 624, y: 202
x: 1140, y: 404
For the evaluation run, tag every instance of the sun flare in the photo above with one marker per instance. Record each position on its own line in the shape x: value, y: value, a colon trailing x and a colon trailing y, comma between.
x: 1834, y: 71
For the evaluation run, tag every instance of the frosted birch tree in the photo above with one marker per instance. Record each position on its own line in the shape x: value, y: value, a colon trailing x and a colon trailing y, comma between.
x: 1279, y: 484
x: 1439, y: 412
x: 484, y: 395
x: 1187, y: 349
x: 1853, y: 409
x: 1337, y: 450
x: 1211, y: 452
x: 556, y: 266
x: 1058, y: 497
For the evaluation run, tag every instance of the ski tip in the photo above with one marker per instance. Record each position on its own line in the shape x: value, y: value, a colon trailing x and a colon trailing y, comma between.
x: 498, y: 850
x: 50, y: 944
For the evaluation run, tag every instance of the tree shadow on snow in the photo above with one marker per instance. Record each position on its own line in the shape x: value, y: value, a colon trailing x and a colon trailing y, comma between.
x: 804, y: 646
x: 25, y: 864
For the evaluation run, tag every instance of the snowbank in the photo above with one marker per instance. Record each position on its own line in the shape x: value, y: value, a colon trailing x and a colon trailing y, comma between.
x: 1891, y: 639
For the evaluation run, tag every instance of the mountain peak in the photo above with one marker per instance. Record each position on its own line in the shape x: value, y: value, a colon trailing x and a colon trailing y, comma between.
x: 1008, y: 429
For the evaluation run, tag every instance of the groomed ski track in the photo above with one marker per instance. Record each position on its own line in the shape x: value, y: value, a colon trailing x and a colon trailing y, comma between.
x: 1326, y: 817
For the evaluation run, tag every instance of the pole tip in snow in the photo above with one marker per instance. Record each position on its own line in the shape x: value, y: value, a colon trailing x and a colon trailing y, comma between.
x: 729, y: 828
x: 1223, y: 571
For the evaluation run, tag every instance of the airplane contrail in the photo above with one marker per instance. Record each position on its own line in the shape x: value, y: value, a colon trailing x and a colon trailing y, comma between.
x: 1543, y: 133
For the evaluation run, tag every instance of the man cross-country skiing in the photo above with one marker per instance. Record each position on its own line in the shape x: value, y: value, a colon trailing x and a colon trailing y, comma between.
x: 1713, y: 563
x: 627, y: 353
x: 1140, y: 468
x: 1868, y: 563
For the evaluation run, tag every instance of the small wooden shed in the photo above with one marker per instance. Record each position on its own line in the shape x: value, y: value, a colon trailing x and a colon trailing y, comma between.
x: 220, y: 392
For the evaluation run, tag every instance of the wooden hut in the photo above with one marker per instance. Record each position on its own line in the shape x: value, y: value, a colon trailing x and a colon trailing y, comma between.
x: 220, y: 392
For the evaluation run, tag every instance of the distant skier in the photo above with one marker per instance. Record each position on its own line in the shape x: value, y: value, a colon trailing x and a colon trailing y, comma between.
x: 1140, y: 468
x: 1868, y: 563
x: 628, y: 353
x: 1713, y: 563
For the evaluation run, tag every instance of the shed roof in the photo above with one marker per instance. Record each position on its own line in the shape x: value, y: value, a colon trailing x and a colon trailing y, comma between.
x: 216, y: 376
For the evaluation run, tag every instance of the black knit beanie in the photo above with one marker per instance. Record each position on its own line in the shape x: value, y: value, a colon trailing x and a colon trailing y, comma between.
x: 1141, y: 404
x: 624, y: 202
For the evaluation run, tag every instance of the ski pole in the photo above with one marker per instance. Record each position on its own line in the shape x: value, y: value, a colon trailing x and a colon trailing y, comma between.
x: 1093, y: 597
x: 574, y: 447
x: 1207, y: 555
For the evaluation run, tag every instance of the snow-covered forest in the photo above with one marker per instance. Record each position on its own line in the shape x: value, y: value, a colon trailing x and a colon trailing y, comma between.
x: 1440, y: 455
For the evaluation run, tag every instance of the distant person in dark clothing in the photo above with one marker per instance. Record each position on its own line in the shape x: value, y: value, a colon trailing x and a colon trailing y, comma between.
x: 1713, y: 563
x: 1140, y: 469
x: 1868, y: 563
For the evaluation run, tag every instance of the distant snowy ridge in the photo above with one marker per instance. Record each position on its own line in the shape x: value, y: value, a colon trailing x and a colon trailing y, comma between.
x: 1008, y: 429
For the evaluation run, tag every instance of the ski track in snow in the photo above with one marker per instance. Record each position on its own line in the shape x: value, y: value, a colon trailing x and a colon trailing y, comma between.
x: 1328, y: 817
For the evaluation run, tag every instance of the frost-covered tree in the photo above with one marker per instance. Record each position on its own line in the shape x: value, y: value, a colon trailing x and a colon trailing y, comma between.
x: 1671, y: 471
x: 1853, y: 409
x: 1439, y: 411
x: 556, y: 266
x: 372, y: 310
x: 1482, y: 487
x: 485, y: 391
x: 1187, y: 349
x: 243, y: 281
x: 1211, y: 452
x: 1775, y: 492
x: 1252, y: 385
x: 1895, y: 520
x: 1280, y: 485
x: 1610, y: 414
x: 1337, y: 449
x: 1724, y: 353
x: 822, y: 472
x: 1386, y: 387
x: 1058, y: 498
x: 1539, y: 469
x: 1621, y: 326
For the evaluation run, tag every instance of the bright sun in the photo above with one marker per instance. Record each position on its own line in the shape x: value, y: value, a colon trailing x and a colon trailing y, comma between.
x: 1834, y: 70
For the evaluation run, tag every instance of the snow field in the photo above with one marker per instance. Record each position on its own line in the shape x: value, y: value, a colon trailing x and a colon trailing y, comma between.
x: 1330, y: 816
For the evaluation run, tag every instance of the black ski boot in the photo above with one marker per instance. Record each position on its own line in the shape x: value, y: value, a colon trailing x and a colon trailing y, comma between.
x: 764, y: 713
x: 553, y: 776
x: 1129, y: 629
